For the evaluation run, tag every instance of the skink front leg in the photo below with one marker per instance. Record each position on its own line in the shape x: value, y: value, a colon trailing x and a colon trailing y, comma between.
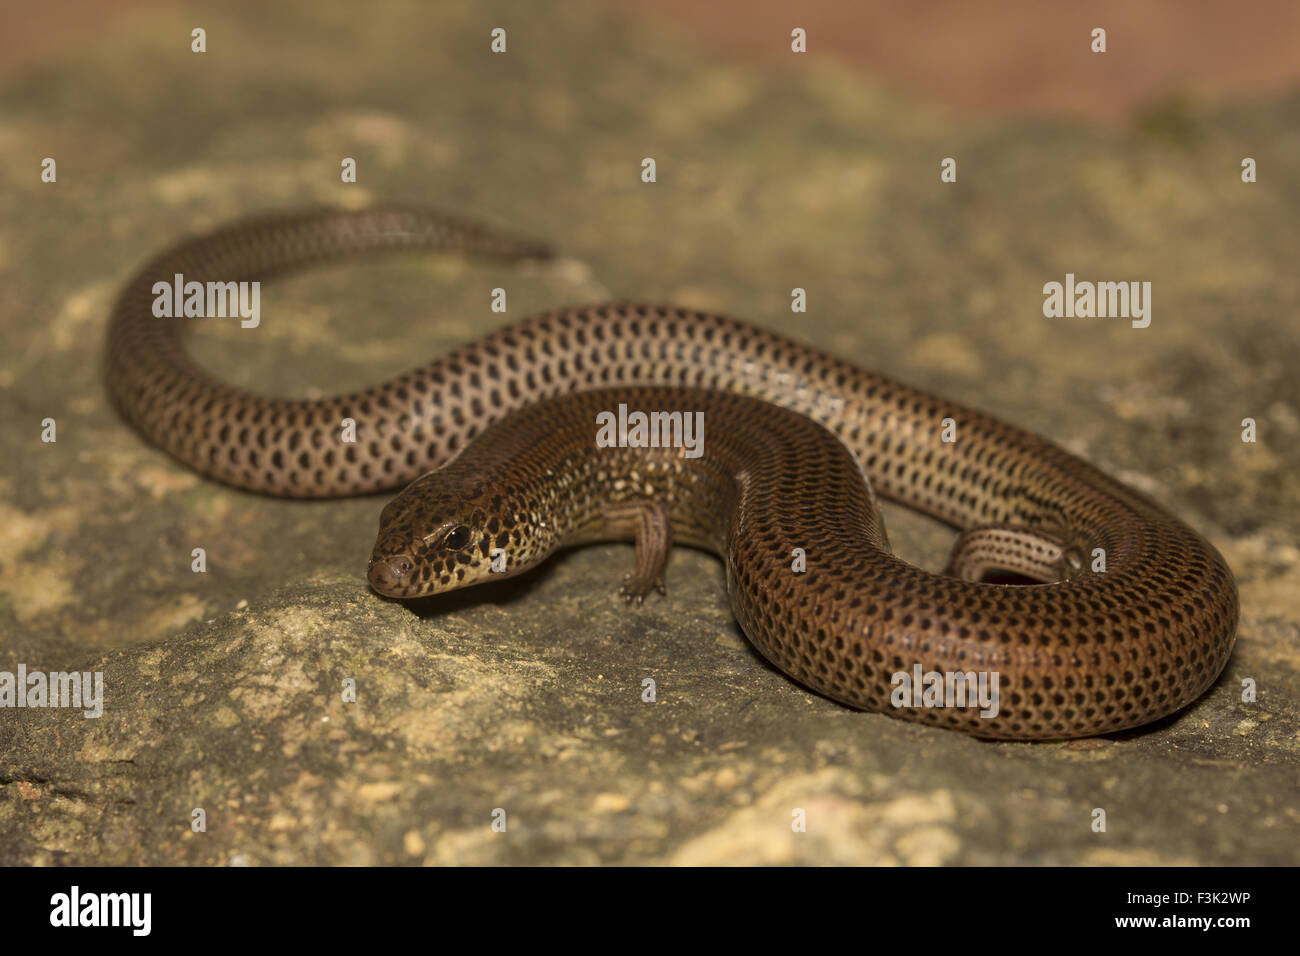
x: 649, y: 525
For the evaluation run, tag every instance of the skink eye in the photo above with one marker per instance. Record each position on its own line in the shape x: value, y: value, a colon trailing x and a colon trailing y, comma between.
x: 456, y: 538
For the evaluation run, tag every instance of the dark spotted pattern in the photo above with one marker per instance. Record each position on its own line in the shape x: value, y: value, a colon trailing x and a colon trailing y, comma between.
x: 1095, y: 653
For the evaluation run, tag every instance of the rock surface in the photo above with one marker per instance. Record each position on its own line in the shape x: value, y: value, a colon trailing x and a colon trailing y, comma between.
x: 223, y: 690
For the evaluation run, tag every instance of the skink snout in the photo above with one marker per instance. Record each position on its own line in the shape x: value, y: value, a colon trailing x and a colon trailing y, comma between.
x: 390, y: 575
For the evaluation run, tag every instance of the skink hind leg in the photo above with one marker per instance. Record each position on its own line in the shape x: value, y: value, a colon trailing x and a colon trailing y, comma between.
x: 1011, y: 549
x: 649, y: 525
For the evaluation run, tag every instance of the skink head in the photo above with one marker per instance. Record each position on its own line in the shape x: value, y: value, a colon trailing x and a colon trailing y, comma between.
x: 446, y: 531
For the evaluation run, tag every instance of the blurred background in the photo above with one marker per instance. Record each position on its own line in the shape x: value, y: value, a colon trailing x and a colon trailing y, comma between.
x: 1007, y: 56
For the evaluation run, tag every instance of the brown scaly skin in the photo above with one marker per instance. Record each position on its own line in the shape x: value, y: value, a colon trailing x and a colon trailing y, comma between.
x: 1085, y: 654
